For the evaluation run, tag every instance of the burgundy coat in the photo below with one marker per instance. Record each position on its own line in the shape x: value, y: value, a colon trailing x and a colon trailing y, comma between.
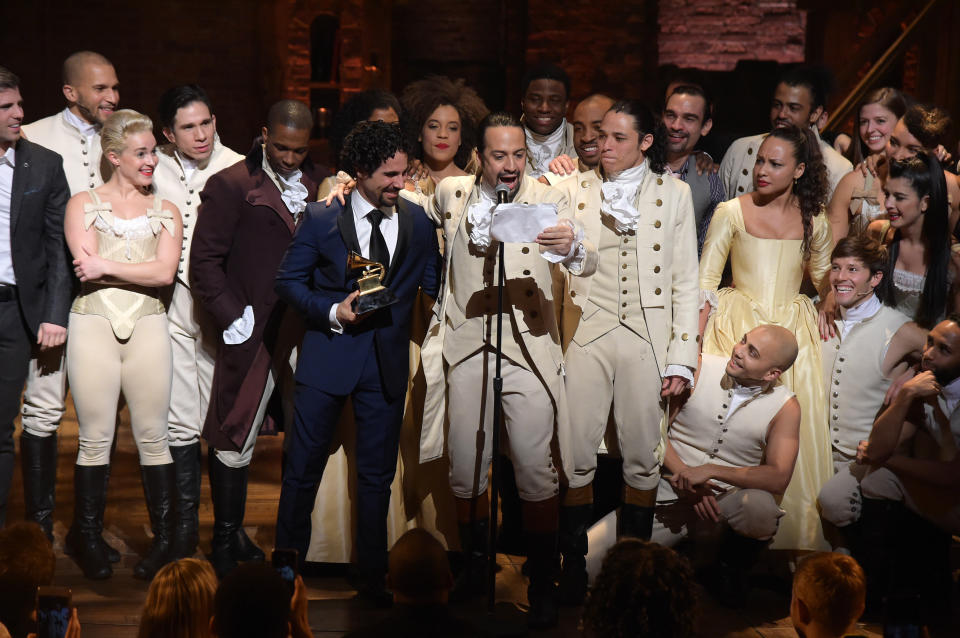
x: 243, y: 229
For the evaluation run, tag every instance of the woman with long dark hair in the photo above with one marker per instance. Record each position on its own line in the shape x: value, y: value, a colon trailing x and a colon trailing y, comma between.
x: 919, y: 274
x: 771, y: 236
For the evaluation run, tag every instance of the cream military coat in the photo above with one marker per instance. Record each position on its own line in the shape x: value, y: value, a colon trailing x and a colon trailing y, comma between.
x: 666, y: 260
x: 537, y: 316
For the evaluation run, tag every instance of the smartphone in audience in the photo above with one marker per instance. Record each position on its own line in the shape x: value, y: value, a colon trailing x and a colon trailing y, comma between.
x: 53, y: 612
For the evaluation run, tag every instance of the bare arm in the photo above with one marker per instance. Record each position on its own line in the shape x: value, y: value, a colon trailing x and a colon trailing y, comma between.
x: 888, y: 428
x: 932, y: 472
x: 838, y: 212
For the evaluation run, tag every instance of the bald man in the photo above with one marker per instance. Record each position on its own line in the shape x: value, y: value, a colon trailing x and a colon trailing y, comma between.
x: 90, y: 88
x: 247, y: 217
x: 586, y: 140
x: 730, y: 450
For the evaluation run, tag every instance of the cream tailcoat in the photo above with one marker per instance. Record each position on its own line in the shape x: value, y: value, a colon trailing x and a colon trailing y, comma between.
x: 537, y: 323
x: 666, y: 260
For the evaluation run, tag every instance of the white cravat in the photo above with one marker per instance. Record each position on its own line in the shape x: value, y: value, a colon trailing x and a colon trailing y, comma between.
x: 292, y: 192
x: 853, y: 316
x: 86, y: 129
x: 188, y: 165
x: 742, y: 394
x: 619, y: 191
x: 7, y: 163
x: 544, y: 148
x: 480, y: 217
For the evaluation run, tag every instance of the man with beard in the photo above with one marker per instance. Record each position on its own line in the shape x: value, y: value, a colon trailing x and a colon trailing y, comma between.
x: 871, y: 347
x: 193, y: 154
x: 91, y: 89
x: 546, y: 94
x: 459, y: 355
x: 799, y: 99
x: 370, y: 350
x: 688, y: 116
x: 247, y: 217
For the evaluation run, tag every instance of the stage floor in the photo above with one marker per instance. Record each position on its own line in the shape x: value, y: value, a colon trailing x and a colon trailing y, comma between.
x: 111, y: 609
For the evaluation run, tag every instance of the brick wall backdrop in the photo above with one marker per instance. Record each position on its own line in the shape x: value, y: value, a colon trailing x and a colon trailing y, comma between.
x: 715, y: 34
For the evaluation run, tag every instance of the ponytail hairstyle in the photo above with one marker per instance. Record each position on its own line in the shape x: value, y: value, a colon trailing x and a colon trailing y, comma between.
x: 644, y: 123
x: 873, y: 256
x: 811, y: 189
x: 925, y: 176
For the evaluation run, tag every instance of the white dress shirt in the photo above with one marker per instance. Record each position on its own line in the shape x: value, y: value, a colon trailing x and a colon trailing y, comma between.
x: 389, y: 228
x: 7, y: 162
x: 86, y: 129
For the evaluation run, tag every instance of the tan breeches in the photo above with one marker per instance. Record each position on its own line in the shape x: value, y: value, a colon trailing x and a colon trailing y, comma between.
x: 840, y: 498
x: 751, y: 513
x: 46, y: 392
x: 529, y: 417
x: 101, y: 367
x: 618, y: 369
x: 194, y: 346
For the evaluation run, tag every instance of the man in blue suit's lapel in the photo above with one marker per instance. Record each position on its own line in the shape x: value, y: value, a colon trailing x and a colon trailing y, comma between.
x: 344, y: 355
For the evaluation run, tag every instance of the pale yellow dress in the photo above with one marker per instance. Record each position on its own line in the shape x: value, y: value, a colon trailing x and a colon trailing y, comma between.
x: 766, y: 281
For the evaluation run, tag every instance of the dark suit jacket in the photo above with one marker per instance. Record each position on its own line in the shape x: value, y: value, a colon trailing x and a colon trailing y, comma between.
x: 243, y: 228
x: 314, y: 276
x: 41, y: 260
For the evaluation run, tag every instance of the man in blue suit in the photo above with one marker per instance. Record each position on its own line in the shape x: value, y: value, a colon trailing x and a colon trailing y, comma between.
x: 345, y: 355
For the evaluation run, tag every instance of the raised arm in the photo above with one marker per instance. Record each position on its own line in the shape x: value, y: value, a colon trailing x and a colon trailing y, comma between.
x: 889, y: 428
x: 838, y: 211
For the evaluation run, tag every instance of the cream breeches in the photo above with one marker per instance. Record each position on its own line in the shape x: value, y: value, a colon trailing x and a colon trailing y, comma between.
x: 100, y: 367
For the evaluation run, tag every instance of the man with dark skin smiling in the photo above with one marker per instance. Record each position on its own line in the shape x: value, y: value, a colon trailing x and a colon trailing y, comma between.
x: 546, y: 95
x: 586, y: 140
x: 458, y: 356
x: 247, y: 217
x: 91, y: 90
x: 184, y: 165
x: 799, y: 99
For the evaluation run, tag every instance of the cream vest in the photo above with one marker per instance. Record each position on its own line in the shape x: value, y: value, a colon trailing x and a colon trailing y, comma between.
x: 614, y: 297
x: 81, y: 160
x: 702, y: 433
x: 170, y: 183
x: 853, y: 371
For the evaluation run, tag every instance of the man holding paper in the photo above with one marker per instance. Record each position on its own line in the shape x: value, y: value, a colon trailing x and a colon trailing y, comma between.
x: 459, y: 353
x: 632, y: 325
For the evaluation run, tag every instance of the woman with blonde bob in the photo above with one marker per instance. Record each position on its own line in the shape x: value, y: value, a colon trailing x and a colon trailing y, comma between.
x: 179, y: 602
x: 125, y: 243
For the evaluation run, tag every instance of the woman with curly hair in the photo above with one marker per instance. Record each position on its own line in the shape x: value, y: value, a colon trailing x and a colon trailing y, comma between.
x: 442, y: 117
x: 643, y: 589
x: 771, y: 236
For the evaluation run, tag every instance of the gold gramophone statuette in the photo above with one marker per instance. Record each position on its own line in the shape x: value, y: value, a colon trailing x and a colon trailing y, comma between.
x: 373, y: 295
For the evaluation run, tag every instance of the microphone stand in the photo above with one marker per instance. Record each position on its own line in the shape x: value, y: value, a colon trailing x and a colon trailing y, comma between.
x: 502, y: 193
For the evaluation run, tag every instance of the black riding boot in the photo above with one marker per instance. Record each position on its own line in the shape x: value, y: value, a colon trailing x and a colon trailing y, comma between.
x: 635, y: 521
x: 228, y: 486
x: 574, y: 522
x: 472, y: 580
x: 542, y: 593
x: 158, y: 489
x: 186, y: 467
x: 38, y: 462
x: 87, y: 546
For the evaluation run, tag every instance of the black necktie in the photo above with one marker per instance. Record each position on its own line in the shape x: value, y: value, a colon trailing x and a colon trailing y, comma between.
x: 378, y: 245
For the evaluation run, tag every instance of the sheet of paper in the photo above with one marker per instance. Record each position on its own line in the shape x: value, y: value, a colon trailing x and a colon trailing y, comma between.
x: 521, y: 223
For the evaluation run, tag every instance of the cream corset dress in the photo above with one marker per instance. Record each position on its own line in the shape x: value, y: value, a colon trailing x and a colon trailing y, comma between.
x: 131, y: 241
x: 766, y: 282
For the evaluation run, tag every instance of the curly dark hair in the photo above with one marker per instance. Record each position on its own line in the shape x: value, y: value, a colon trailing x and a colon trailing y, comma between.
x: 369, y: 145
x: 925, y: 175
x: 929, y: 124
x: 643, y: 589
x: 421, y: 98
x: 359, y: 108
x: 812, y: 189
x: 644, y: 122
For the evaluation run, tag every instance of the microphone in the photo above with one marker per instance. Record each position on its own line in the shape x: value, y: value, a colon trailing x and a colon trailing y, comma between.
x: 503, y: 193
